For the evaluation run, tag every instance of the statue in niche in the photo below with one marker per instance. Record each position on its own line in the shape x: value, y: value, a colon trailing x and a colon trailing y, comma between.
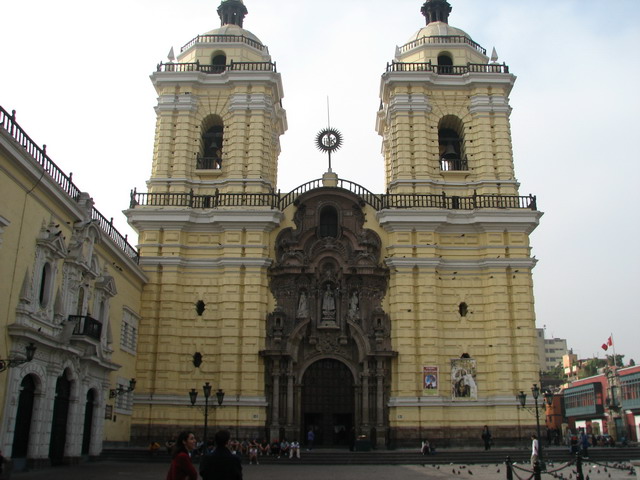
x: 354, y: 305
x: 303, y: 306
x: 328, y: 304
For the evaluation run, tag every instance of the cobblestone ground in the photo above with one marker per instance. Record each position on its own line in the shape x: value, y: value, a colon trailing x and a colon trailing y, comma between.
x: 141, y: 471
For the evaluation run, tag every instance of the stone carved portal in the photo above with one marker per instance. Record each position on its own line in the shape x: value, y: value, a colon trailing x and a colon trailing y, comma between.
x: 329, y: 283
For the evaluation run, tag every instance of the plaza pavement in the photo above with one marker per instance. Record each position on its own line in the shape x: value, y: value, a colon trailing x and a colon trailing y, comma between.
x: 291, y: 471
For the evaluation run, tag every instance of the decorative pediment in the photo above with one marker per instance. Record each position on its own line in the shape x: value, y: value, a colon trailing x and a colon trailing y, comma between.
x: 51, y: 239
x: 107, y: 284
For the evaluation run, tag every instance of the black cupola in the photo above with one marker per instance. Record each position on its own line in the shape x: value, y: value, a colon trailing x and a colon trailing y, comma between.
x: 436, y: 11
x: 232, y: 12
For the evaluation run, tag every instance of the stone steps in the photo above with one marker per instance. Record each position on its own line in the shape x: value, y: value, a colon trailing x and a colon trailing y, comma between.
x: 397, y: 457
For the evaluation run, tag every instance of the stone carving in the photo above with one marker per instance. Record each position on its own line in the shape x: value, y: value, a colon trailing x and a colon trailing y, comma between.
x: 303, y: 306
x: 354, y: 305
x: 328, y: 304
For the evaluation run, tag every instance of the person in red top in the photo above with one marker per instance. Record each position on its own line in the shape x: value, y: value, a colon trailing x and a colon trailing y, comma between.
x: 181, y: 467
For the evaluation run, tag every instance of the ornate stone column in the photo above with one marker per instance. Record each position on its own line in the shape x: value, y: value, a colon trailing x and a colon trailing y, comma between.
x: 290, y: 399
x: 275, y: 402
x: 365, y: 397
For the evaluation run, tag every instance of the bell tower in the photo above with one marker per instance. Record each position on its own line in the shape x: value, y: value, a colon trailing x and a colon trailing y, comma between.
x: 445, y: 114
x: 219, y: 114
x: 457, y: 237
x: 204, y: 227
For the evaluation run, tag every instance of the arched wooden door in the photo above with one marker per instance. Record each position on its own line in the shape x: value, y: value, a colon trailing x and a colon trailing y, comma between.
x: 59, y: 422
x: 328, y: 403
x: 88, y: 423
x: 23, y: 417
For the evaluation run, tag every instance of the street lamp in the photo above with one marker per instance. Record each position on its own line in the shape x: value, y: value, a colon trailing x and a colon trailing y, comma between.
x: 548, y: 399
x: 193, y: 396
x: 30, y: 351
x: 115, y: 392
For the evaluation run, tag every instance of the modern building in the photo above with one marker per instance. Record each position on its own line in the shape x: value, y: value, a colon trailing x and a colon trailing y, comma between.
x: 70, y: 295
x: 550, y: 351
x: 397, y: 315
x: 608, y: 403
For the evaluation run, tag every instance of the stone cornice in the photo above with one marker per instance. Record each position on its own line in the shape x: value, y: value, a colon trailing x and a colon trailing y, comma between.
x: 442, y: 184
x: 505, y: 401
x: 432, y: 79
x: 443, y: 221
x: 192, y: 220
x: 207, y: 265
x: 183, y: 400
x: 461, y: 265
x: 489, y: 104
x: 227, y: 79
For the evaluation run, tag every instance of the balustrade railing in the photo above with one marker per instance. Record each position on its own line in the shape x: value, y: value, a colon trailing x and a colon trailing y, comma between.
x: 217, y: 69
x: 442, y: 39
x: 377, y: 201
x: 64, y: 181
x: 86, y: 326
x: 446, y: 69
x: 454, y: 165
x: 208, y: 163
x: 224, y: 39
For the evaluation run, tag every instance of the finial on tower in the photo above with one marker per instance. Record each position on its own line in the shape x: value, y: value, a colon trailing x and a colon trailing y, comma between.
x: 436, y: 11
x: 232, y: 12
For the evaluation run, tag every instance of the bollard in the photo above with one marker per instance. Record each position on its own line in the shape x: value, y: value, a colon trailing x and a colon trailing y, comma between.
x: 580, y: 475
x: 537, y: 470
x: 509, y: 468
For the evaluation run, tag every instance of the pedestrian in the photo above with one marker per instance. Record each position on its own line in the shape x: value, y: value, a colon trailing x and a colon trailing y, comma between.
x: 181, y: 467
x: 584, y: 444
x: 425, y: 449
x: 294, y: 449
x: 486, y: 437
x: 221, y: 464
x: 534, y: 450
x: 311, y: 436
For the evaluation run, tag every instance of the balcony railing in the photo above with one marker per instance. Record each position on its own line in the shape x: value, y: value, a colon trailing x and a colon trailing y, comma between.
x: 447, y: 69
x: 225, y: 39
x: 86, y: 326
x: 442, y: 39
x: 208, y: 163
x: 377, y: 201
x: 39, y: 155
x: 452, y: 165
x: 217, y: 69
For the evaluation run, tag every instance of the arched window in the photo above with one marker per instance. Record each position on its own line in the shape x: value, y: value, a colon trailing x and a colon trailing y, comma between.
x: 445, y: 64
x: 218, y: 62
x: 328, y: 222
x: 80, y: 304
x: 451, y: 144
x: 211, y: 144
x: 45, y: 285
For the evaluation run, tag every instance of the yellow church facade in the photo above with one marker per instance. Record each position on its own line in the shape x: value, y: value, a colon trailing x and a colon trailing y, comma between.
x: 396, y: 316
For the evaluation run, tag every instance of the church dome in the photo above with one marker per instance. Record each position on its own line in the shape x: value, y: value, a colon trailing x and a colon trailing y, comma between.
x: 436, y: 29
x: 231, y: 29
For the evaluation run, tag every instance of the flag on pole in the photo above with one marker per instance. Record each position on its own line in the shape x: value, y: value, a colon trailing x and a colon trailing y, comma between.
x: 607, y: 344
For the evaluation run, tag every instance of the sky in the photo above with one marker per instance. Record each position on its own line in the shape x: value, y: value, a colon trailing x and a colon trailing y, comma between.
x: 77, y: 73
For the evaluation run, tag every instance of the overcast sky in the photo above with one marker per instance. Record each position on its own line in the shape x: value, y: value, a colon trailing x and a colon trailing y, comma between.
x: 77, y: 73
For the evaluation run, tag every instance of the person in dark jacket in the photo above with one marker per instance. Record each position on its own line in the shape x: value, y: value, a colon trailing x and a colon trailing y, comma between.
x: 221, y: 464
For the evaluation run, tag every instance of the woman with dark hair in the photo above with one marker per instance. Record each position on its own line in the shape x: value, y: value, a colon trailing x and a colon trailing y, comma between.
x: 181, y: 467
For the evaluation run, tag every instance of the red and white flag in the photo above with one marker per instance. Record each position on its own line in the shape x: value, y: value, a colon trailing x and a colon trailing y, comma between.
x: 607, y: 344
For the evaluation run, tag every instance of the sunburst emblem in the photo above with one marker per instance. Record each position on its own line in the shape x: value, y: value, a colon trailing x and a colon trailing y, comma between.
x: 329, y: 140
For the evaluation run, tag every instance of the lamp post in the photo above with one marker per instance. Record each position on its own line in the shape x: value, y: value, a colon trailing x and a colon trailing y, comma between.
x: 120, y: 390
x: 193, y: 396
x: 548, y: 400
x: 30, y: 351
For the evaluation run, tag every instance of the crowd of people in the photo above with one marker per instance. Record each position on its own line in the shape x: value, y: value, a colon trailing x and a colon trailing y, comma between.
x: 221, y: 458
